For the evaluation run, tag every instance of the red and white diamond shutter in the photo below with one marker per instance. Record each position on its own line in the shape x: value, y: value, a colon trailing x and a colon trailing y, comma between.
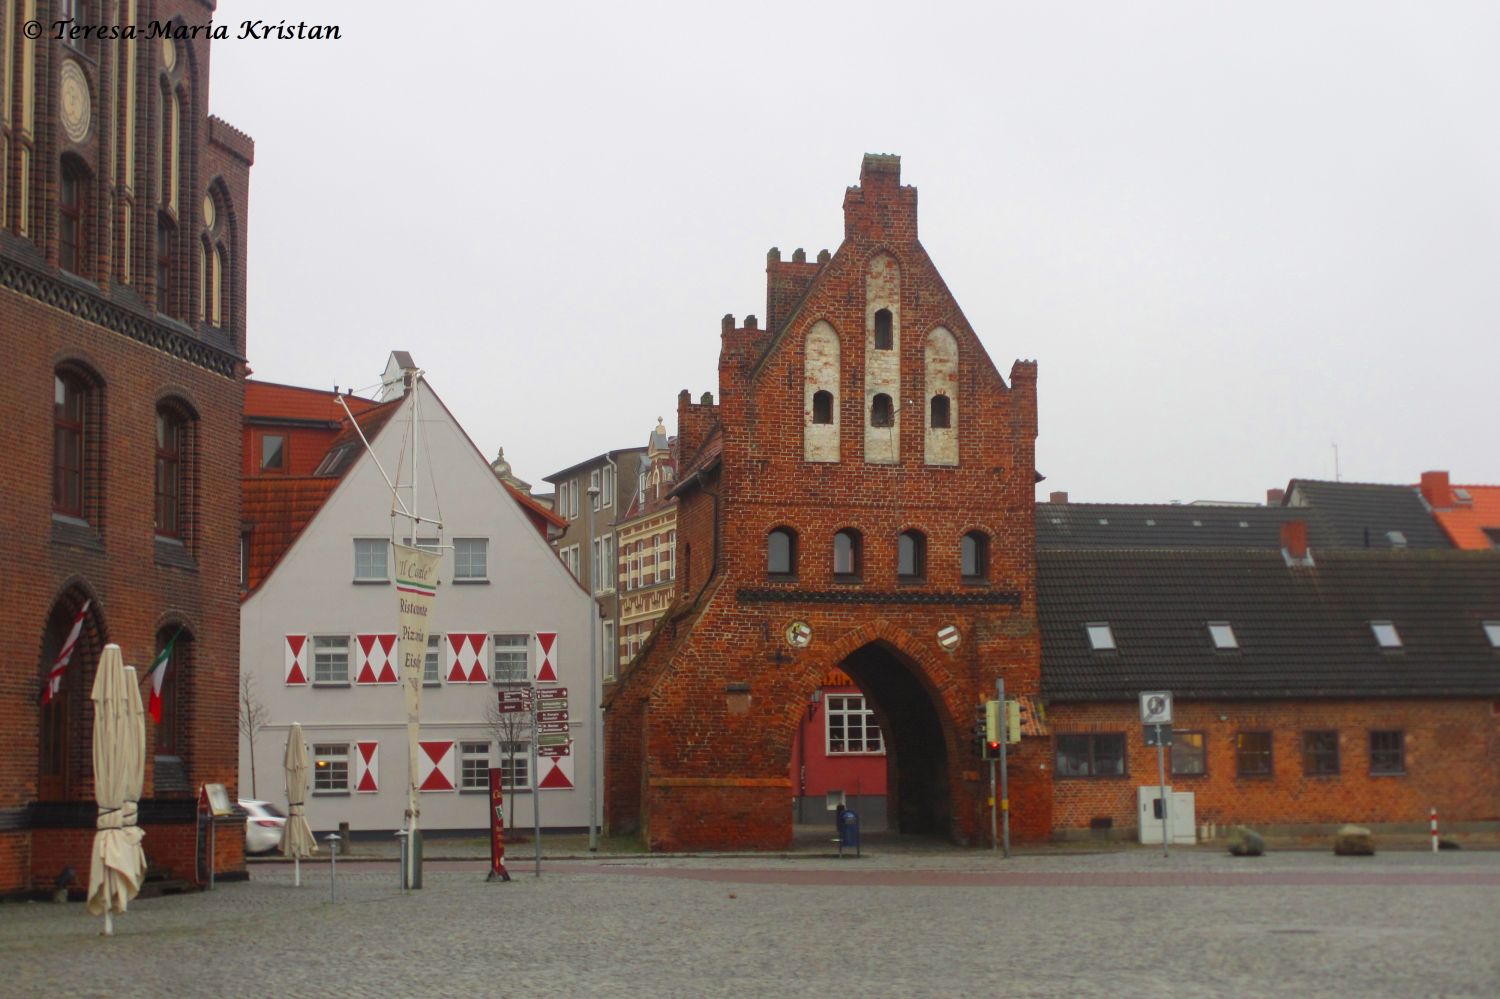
x: 468, y: 656
x: 546, y: 657
x: 367, y: 767
x: 296, y: 660
x: 377, y: 659
x: 557, y: 773
x: 435, y: 766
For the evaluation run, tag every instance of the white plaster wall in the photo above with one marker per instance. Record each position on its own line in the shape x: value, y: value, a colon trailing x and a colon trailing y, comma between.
x: 311, y: 592
x: 820, y: 441
x: 883, y: 367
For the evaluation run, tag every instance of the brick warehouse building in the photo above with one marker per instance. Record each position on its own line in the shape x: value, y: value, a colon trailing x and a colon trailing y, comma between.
x: 122, y: 306
x: 858, y: 500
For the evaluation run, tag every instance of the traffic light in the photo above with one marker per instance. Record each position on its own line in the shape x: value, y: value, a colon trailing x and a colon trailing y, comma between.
x: 1012, y: 722
x: 979, y: 731
x: 992, y: 730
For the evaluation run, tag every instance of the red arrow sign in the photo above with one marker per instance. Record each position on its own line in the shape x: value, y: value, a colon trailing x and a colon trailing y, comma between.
x: 552, y: 716
x: 554, y: 752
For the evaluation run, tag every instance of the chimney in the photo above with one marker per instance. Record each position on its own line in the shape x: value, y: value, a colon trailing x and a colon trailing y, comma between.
x: 1436, y: 490
x: 1274, y: 497
x: 1058, y: 497
x: 396, y: 380
x: 1294, y: 541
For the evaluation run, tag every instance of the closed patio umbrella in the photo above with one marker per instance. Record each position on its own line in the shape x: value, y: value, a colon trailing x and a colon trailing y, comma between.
x: 118, y: 865
x: 296, y: 836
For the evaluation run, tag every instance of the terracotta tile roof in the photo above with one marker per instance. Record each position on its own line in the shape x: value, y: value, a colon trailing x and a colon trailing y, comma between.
x: 277, y: 510
x: 292, y: 402
x: 539, y: 514
x: 1475, y: 524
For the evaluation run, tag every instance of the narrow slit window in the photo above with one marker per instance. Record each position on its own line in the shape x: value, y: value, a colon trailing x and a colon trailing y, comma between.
x: 822, y: 406
x: 940, y: 417
x: 883, y: 330
x: 882, y: 413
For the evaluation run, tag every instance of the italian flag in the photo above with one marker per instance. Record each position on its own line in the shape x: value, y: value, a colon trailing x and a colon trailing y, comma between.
x: 158, y: 673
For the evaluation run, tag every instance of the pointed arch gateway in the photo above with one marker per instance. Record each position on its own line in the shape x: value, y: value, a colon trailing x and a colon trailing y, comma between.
x: 902, y: 684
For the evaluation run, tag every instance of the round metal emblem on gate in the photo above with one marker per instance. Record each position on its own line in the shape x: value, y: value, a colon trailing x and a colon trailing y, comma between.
x: 799, y: 634
x: 949, y: 638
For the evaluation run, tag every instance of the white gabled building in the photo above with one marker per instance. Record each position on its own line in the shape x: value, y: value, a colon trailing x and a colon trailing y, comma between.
x: 318, y: 623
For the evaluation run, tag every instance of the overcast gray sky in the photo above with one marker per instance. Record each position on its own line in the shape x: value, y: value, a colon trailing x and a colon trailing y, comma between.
x: 1231, y: 235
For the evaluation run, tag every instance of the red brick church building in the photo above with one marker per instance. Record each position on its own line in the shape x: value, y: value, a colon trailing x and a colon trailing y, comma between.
x: 858, y: 502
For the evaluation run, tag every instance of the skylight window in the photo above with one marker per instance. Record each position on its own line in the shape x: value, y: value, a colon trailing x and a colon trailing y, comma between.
x: 1223, y: 635
x: 1492, y: 631
x: 1101, y: 638
x: 1462, y: 495
x: 1386, y: 634
x: 1396, y: 538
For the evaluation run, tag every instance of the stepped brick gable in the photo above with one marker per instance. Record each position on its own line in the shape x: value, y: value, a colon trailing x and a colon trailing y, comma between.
x: 863, y: 483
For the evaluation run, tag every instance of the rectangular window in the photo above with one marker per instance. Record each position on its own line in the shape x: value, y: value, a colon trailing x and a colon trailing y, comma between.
x: 331, y: 659
x: 611, y: 564
x: 330, y: 767
x: 595, y: 567
x: 1252, y: 754
x: 515, y: 766
x: 563, y: 489
x: 370, y: 559
x: 432, y: 663
x: 471, y: 558
x: 1091, y: 755
x: 1320, y: 753
x: 272, y: 453
x: 607, y: 486
x: 672, y: 555
x: 608, y: 650
x: 850, y: 725
x: 473, y: 766
x: 512, y: 655
x: 1189, y: 756
x: 1388, y: 752
x: 594, y: 488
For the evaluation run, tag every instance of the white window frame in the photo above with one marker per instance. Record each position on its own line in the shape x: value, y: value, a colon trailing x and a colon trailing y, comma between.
x: 467, y: 754
x: 513, y: 757
x: 1223, y: 636
x: 852, y: 711
x: 611, y: 565
x: 1386, y: 635
x: 671, y: 556
x: 1101, y: 636
x: 607, y: 486
x: 333, y: 645
x: 432, y: 662
x: 594, y: 485
x: 364, y: 568
x: 597, y: 564
x: 516, y: 648
x: 330, y: 768
x: 608, y: 644
x: 463, y: 559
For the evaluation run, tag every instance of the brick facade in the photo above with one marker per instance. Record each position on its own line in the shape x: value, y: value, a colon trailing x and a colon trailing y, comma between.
x: 1451, y: 750
x: 85, y: 300
x: 700, y: 729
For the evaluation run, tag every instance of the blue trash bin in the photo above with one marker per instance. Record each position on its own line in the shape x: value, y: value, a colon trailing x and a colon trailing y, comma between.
x: 848, y: 830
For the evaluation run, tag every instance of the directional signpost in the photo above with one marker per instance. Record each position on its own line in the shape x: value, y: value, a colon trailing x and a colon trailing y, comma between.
x: 1156, y: 716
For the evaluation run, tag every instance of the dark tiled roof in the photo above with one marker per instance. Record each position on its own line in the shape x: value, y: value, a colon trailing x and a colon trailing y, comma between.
x: 1303, y: 632
x: 1160, y: 525
x: 1362, y: 515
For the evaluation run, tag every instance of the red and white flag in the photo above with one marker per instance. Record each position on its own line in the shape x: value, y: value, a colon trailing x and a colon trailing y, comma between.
x: 64, y: 656
x: 158, y: 674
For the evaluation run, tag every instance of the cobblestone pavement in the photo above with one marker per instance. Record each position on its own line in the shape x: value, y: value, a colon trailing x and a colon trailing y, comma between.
x: 892, y: 923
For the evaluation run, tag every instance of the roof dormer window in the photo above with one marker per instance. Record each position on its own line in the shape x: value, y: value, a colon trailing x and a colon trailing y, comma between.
x: 1101, y: 638
x: 1386, y: 634
x: 1223, y: 635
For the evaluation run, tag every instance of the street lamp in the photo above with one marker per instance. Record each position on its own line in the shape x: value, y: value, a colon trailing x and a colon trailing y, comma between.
x: 593, y: 701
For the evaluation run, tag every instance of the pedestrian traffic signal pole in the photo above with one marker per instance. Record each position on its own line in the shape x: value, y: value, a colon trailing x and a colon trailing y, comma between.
x: 1004, y: 775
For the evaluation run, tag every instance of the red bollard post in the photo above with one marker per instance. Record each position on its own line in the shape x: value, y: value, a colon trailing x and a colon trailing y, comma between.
x: 1434, y: 831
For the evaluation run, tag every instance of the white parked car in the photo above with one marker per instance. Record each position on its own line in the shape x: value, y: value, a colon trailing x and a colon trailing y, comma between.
x: 263, y: 825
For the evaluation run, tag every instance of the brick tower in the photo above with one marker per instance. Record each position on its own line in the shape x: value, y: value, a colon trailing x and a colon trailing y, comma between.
x: 859, y: 501
x: 123, y: 214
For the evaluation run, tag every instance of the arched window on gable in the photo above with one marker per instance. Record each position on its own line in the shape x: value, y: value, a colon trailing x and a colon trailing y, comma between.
x: 974, y: 557
x: 848, y: 555
x: 911, y: 556
x: 822, y: 406
x: 781, y: 552
x: 939, y: 417
x: 882, y: 412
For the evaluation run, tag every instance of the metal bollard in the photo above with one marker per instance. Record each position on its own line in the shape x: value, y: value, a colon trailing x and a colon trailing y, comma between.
x: 401, y: 837
x: 333, y: 866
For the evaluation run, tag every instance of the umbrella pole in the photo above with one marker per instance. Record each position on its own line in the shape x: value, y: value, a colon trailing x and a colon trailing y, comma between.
x: 109, y: 923
x: 297, y: 871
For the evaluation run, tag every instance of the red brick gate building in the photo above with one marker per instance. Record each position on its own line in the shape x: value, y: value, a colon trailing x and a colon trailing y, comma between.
x: 859, y: 499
